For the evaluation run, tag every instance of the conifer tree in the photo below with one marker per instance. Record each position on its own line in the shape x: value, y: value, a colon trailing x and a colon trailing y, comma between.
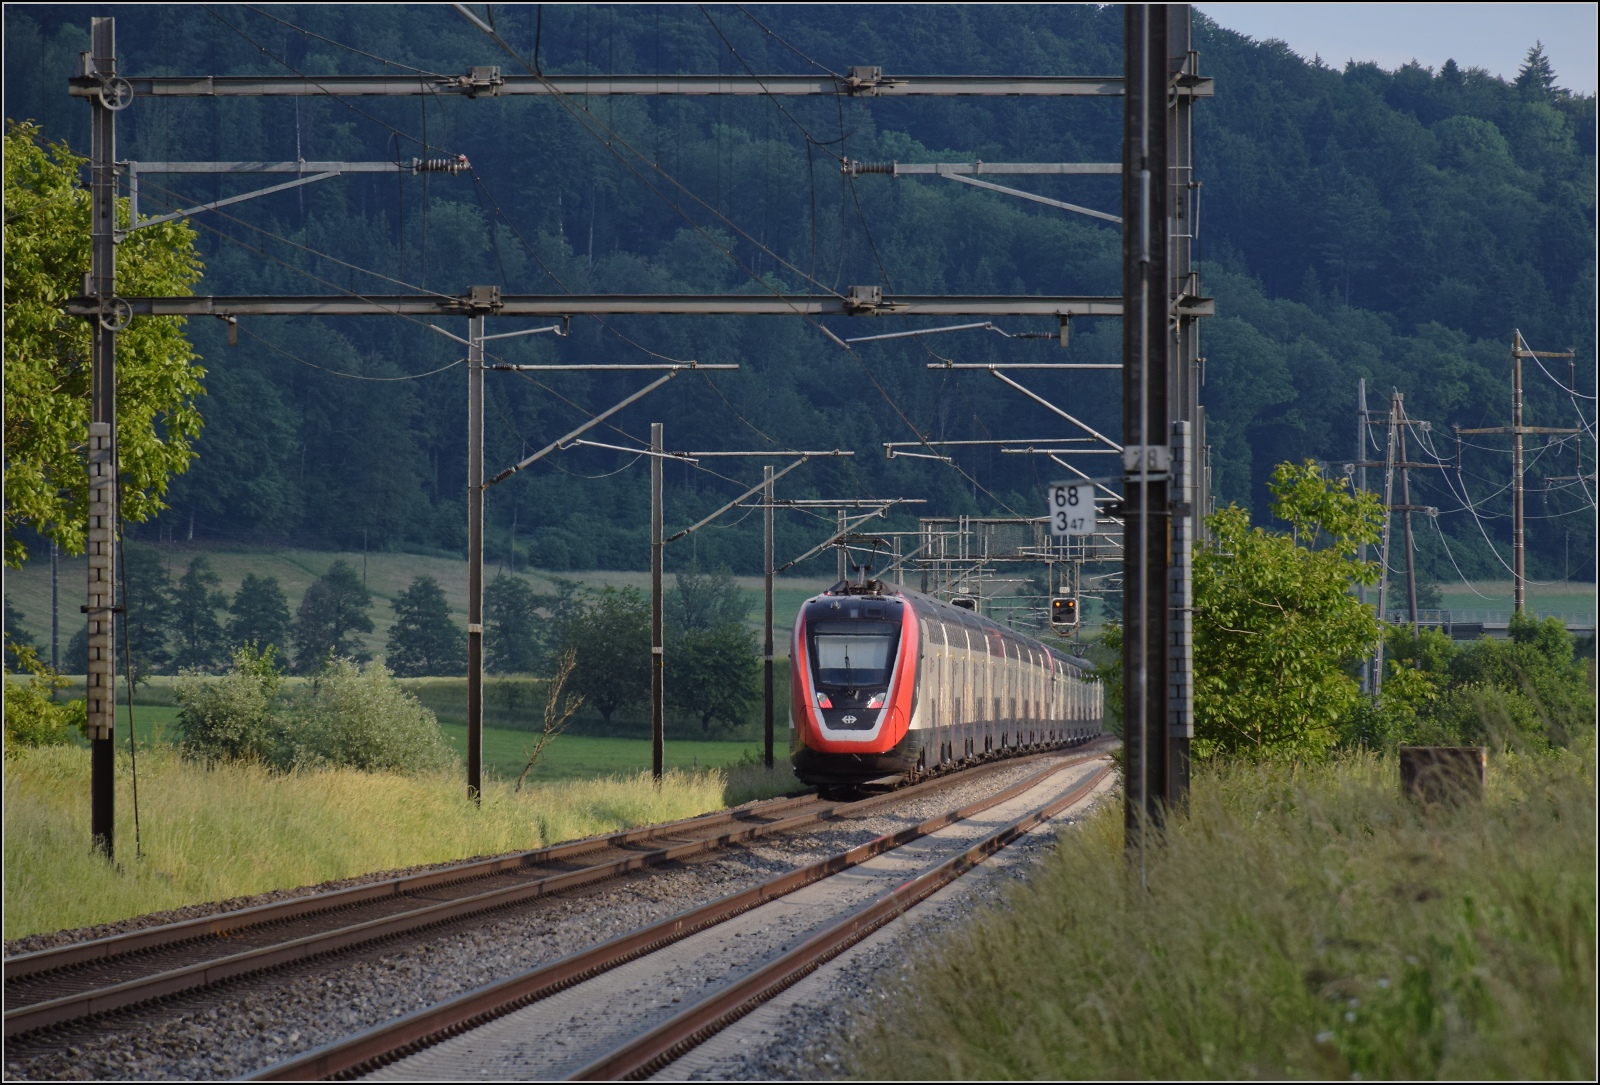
x: 198, y: 632
x: 260, y: 614
x: 333, y: 610
x: 424, y: 641
x: 147, y: 597
x: 511, y: 642
x: 1536, y: 78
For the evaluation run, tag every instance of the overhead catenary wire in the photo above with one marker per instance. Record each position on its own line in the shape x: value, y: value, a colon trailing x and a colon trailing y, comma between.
x: 611, y: 140
x: 341, y: 99
x: 1466, y: 500
x: 342, y: 45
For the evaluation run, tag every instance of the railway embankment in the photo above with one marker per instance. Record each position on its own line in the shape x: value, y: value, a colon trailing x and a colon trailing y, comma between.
x: 1304, y: 920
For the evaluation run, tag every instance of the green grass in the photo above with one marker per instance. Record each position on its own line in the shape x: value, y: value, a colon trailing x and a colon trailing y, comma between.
x: 573, y: 757
x: 1301, y: 922
x: 232, y: 830
x: 387, y: 575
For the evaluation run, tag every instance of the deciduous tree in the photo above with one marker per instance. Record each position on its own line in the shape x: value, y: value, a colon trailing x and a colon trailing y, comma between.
x: 712, y: 675
x: 47, y: 353
x: 1276, y: 628
x: 610, y: 642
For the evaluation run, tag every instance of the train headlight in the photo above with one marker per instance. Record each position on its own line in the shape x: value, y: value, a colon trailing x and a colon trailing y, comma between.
x: 822, y: 700
x: 876, y: 702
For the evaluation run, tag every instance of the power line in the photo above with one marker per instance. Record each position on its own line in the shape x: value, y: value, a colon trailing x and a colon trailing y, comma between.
x: 348, y: 376
x: 612, y: 140
x: 359, y: 52
x: 784, y: 42
x: 332, y: 94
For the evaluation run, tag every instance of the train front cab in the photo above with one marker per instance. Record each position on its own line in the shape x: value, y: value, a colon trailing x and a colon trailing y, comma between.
x: 853, y: 688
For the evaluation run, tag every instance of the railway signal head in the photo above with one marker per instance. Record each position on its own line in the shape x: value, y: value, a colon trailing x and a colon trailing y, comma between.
x: 1064, y: 613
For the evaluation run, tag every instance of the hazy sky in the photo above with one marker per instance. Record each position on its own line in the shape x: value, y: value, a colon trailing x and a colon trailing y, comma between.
x: 1492, y: 36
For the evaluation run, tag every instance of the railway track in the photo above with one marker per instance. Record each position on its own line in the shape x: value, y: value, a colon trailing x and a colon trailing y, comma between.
x: 643, y: 1051
x: 64, y: 984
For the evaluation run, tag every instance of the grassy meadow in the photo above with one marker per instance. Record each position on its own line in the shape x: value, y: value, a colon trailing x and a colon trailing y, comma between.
x: 237, y: 829
x: 1302, y: 922
x: 386, y: 575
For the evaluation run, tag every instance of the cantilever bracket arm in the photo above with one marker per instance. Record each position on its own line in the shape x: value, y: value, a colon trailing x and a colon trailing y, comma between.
x: 1017, y: 192
x: 595, y: 421
x: 213, y: 205
x: 751, y: 492
x: 849, y: 529
x: 1090, y: 430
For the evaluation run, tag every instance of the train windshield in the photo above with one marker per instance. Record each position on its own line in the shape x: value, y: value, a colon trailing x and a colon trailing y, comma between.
x: 853, y: 654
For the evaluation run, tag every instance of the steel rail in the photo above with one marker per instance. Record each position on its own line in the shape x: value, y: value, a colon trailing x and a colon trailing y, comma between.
x: 378, y: 1046
x: 678, y: 1035
x: 119, y: 945
x: 79, y: 1005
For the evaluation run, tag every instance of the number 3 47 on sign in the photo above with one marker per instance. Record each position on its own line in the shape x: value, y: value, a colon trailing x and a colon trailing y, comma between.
x: 1072, y: 508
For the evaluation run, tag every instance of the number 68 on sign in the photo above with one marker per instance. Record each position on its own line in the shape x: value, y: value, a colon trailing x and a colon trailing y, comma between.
x: 1072, y: 508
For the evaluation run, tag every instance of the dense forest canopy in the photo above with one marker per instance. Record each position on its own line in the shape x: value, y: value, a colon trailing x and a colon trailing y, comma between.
x: 1355, y: 223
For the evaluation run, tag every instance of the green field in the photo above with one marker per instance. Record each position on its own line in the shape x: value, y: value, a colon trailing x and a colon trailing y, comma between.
x: 575, y: 757
x: 1574, y: 598
x: 386, y: 576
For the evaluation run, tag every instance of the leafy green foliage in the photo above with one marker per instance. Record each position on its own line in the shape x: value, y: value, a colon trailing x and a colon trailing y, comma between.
x: 1357, y: 223
x: 332, y: 611
x: 357, y: 716
x: 33, y: 716
x: 15, y: 634
x: 1275, y: 626
x: 350, y: 716
x: 423, y: 640
x: 1528, y: 692
x: 701, y: 602
x: 231, y: 718
x: 511, y: 639
x: 47, y: 353
x: 524, y: 630
x: 197, y: 631
x: 714, y: 675
x: 260, y: 614
x: 610, y: 642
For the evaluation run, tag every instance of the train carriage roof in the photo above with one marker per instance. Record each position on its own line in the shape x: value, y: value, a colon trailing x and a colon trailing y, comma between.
x: 961, y: 616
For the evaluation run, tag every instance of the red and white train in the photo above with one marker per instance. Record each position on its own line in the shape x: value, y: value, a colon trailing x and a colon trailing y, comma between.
x: 886, y: 682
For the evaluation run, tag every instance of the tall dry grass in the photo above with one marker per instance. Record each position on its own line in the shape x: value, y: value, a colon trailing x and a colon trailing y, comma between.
x: 237, y: 829
x: 1301, y: 922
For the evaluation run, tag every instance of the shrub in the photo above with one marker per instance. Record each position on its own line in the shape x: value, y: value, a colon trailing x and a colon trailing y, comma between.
x: 230, y: 718
x: 33, y: 717
x: 359, y: 717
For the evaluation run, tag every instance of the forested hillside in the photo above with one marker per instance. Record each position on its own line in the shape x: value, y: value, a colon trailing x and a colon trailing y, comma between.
x: 1355, y: 223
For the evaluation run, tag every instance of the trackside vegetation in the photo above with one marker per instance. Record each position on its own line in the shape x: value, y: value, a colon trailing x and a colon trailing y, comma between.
x: 1303, y: 921
x: 232, y: 828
